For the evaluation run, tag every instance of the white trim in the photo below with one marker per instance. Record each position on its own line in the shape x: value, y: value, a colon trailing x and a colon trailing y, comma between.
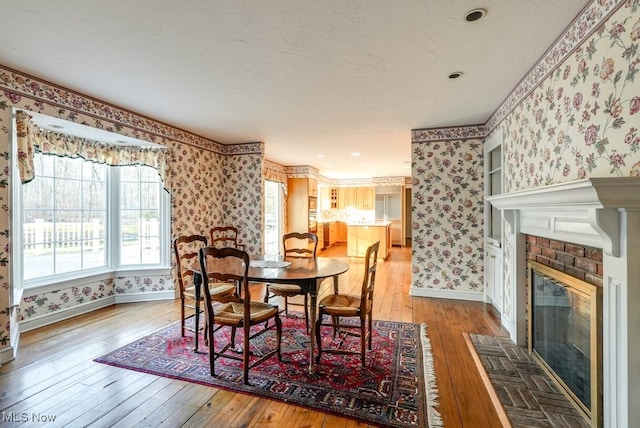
x: 447, y: 294
x: 146, y: 297
x: 609, y: 192
x: 6, y: 354
x: 47, y: 319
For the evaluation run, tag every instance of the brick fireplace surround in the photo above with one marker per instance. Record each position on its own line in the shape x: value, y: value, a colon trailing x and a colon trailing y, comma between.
x: 589, y: 229
x: 579, y: 261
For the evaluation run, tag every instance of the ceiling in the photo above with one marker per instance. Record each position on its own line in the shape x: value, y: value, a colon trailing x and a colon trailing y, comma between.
x: 314, y: 80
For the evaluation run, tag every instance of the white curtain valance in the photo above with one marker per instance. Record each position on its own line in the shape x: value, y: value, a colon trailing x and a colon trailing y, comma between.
x: 31, y: 139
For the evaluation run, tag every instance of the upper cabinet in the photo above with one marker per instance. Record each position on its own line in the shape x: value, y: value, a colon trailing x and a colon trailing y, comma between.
x: 333, y: 198
x: 361, y: 198
x: 493, y: 186
x: 312, y: 186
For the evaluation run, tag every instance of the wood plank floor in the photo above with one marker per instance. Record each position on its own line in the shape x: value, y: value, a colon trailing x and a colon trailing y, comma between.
x: 54, y: 376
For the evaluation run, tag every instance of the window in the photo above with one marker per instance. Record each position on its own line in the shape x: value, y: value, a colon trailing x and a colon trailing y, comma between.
x: 140, y: 192
x: 80, y: 217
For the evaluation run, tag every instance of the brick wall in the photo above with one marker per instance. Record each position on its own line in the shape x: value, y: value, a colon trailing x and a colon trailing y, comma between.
x: 581, y: 262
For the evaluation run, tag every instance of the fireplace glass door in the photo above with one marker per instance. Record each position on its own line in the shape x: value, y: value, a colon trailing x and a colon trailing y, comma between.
x: 564, y: 317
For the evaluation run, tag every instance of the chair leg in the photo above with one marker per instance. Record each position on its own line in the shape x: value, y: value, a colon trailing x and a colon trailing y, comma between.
x: 182, y: 316
x: 279, y: 336
x: 245, y: 355
x: 318, y: 337
x: 306, y: 312
x: 266, y: 300
x: 370, y: 331
x: 286, y: 306
x: 212, y: 359
x: 363, y: 341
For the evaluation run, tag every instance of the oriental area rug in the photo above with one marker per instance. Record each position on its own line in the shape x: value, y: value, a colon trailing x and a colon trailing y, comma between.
x: 396, y: 389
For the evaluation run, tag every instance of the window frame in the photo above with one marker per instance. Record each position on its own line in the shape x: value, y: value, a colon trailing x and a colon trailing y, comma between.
x: 113, y: 266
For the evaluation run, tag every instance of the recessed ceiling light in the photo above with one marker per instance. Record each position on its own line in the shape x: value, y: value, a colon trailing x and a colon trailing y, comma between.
x: 475, y: 14
x: 455, y: 75
x: 321, y: 156
x: 355, y: 154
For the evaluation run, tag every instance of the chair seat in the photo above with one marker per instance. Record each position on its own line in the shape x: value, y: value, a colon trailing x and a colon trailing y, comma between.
x: 342, y: 305
x: 288, y: 290
x: 233, y: 313
x: 216, y: 291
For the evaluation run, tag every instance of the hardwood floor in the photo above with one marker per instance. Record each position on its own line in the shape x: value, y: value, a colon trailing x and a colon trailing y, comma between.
x: 54, y: 376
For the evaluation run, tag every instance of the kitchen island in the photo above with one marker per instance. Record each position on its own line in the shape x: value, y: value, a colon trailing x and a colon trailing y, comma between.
x: 361, y: 235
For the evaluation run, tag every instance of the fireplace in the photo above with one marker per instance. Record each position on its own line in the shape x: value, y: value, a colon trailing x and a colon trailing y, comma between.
x: 601, y: 213
x: 564, y: 335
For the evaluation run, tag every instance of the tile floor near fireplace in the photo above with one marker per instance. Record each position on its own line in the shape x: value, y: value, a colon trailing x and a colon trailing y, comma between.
x: 526, y: 393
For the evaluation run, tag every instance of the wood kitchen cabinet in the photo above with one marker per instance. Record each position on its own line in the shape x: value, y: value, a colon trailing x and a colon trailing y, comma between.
x: 361, y: 198
x: 366, y: 198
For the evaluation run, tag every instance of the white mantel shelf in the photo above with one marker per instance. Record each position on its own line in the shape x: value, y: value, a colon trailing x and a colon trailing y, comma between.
x: 608, y: 192
x: 601, y: 213
x: 584, y: 211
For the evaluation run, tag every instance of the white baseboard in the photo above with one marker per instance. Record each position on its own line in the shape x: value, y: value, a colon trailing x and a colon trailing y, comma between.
x: 447, y: 294
x: 146, y: 297
x: 6, y: 354
x: 33, y: 323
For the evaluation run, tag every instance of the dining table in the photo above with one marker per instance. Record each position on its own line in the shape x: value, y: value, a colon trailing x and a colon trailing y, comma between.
x: 306, y: 272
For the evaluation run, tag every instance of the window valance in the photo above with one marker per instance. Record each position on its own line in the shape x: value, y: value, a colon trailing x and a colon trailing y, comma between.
x: 31, y: 139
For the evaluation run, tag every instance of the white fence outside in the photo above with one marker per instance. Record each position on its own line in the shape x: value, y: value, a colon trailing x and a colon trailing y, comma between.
x: 39, y: 236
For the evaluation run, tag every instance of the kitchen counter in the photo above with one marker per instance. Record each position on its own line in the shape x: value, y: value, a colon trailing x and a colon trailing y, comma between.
x: 361, y: 235
x: 377, y: 223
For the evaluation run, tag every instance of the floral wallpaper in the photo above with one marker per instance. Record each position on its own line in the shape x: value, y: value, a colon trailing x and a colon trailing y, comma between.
x: 575, y: 115
x: 584, y: 119
x: 447, y: 194
x: 210, y: 184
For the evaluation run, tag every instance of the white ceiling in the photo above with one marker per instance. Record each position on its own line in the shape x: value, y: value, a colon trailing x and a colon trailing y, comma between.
x: 308, y: 78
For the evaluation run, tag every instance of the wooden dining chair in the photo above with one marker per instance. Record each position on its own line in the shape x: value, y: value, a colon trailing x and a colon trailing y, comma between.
x: 186, y: 249
x: 224, y: 265
x: 337, y: 306
x: 295, y: 245
x: 225, y: 236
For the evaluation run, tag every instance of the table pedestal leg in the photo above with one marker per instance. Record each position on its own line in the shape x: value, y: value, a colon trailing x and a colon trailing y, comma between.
x: 313, y: 303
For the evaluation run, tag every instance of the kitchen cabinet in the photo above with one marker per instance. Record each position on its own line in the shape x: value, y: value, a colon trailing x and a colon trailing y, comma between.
x: 361, y: 198
x: 320, y: 234
x: 325, y: 199
x: 366, y: 198
x: 333, y: 198
x: 361, y: 236
x: 333, y: 232
x: 312, y: 187
x: 301, y: 205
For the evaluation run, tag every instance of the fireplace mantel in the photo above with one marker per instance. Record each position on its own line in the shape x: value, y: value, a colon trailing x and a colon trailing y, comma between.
x: 597, y: 212
x: 584, y: 211
x: 590, y: 193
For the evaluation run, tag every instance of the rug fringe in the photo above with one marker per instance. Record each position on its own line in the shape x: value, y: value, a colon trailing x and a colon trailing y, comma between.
x: 431, y: 390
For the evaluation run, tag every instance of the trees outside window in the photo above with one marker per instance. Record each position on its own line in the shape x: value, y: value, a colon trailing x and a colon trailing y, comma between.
x: 80, y: 216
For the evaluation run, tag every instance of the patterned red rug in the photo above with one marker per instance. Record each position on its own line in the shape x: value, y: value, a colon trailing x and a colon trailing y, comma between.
x: 396, y: 389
